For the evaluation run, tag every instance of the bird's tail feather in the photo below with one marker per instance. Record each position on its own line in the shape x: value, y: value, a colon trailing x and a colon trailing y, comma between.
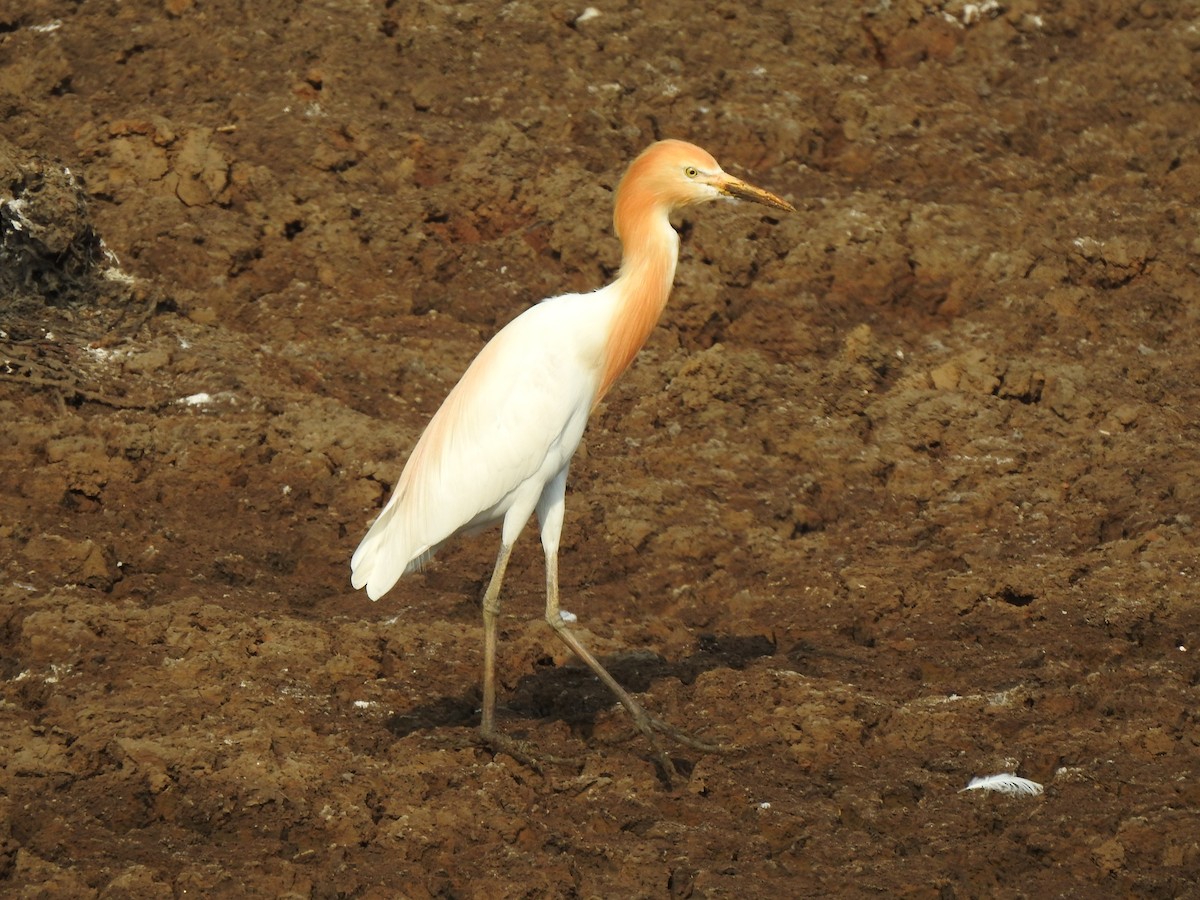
x: 381, y: 559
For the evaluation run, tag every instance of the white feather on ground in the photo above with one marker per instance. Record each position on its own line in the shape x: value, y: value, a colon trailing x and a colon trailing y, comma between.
x: 1005, y: 783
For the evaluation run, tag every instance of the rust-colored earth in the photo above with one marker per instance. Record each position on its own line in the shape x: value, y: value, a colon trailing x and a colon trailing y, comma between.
x: 904, y: 489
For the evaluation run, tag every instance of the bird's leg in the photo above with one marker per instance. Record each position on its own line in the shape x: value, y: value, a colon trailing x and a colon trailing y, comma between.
x: 643, y: 721
x: 487, y: 722
x: 551, y: 509
x: 491, y: 610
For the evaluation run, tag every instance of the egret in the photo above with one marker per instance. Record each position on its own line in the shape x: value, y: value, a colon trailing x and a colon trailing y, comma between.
x: 500, y: 446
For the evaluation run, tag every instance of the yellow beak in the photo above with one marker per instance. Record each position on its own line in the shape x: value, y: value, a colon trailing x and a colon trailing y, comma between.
x: 735, y: 187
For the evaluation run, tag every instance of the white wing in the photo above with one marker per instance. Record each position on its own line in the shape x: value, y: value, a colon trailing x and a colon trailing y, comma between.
x: 508, y: 427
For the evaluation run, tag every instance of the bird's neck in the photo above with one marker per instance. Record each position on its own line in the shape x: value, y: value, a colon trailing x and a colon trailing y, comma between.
x: 651, y: 249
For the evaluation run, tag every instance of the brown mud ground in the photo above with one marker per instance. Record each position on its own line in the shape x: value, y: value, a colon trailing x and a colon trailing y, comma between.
x: 902, y: 491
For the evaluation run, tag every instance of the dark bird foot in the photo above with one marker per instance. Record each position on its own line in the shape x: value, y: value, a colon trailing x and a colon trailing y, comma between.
x: 522, y: 752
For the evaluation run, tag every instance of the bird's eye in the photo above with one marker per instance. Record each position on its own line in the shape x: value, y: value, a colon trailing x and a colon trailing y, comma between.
x: 690, y: 172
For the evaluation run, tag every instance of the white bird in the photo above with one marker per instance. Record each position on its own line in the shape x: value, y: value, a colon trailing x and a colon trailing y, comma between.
x: 499, y: 447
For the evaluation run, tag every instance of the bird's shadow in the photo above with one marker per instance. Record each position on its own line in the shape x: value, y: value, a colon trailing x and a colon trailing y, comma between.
x: 574, y: 695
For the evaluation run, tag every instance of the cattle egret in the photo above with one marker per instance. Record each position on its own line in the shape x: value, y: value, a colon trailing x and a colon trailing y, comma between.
x: 499, y: 447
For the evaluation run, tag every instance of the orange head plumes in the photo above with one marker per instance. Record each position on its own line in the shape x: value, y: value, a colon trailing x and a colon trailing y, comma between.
x: 671, y: 174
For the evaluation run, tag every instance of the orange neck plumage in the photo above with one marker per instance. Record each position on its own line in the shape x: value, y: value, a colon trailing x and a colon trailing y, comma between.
x: 651, y: 250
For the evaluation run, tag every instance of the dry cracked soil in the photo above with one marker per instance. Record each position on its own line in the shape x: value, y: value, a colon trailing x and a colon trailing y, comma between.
x: 902, y: 491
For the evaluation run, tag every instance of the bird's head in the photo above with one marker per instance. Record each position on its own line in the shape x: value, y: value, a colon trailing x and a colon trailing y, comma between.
x: 671, y: 174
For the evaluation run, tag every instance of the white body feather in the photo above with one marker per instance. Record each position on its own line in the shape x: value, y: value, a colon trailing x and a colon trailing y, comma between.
x: 1005, y: 783
x: 506, y: 432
